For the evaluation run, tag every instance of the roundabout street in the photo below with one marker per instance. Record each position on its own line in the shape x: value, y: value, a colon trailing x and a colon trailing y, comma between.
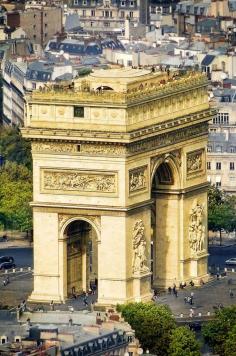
x: 23, y: 256
x: 205, y: 297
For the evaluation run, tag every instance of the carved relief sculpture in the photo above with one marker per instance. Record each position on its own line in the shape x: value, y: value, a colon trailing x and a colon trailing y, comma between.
x: 56, y: 147
x: 78, y: 181
x: 138, y: 179
x: 139, y: 261
x: 197, y: 229
x: 194, y: 162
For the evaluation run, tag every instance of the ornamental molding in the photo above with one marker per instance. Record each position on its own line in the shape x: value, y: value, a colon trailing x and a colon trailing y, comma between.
x: 91, y: 219
x: 76, y: 181
x: 102, y: 149
x: 55, y: 147
x: 174, y: 155
x: 168, y: 138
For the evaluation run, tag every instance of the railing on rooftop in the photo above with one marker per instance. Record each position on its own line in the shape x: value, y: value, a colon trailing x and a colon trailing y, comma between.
x: 68, y: 93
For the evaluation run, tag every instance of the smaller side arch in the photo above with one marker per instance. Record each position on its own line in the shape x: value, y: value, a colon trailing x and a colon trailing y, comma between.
x: 174, y: 165
x: 69, y: 220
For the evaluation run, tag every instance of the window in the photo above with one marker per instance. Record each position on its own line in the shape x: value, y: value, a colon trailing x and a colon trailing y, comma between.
x: 45, y: 14
x: 84, y: 2
x: 84, y: 13
x: 218, y: 148
x: 221, y: 118
x: 45, y: 25
x: 218, y: 184
x: 232, y: 149
x: 231, y: 166
x: 122, y: 14
x: 33, y: 85
x: 92, y: 12
x: 106, y: 13
x: 122, y: 3
x: 75, y: 2
x: 209, y: 148
x: 34, y: 16
x: 208, y: 165
x: 131, y: 14
x: 131, y: 3
x: 218, y: 165
x: 78, y: 111
x: 91, y: 24
x: 45, y: 35
x: 107, y: 24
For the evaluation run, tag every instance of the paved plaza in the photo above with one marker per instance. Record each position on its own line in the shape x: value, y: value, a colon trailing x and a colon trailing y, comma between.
x: 205, y: 299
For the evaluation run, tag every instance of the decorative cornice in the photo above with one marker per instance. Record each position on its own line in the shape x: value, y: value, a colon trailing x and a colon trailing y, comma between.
x: 117, y: 137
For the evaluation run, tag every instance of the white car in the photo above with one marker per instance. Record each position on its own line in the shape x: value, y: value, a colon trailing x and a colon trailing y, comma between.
x: 231, y: 261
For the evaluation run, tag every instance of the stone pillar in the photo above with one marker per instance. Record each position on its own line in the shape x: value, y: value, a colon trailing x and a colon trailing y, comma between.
x: 47, y: 283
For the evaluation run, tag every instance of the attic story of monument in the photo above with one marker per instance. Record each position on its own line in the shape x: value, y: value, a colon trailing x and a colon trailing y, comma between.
x: 119, y: 185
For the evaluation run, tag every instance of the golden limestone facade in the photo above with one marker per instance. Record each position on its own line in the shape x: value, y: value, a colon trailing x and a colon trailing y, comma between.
x: 119, y: 184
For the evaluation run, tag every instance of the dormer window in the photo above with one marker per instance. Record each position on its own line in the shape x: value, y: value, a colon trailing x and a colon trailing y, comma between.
x: 122, y: 3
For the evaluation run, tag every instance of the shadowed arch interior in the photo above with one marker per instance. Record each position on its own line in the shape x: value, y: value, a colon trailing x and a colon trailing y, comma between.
x: 81, y: 256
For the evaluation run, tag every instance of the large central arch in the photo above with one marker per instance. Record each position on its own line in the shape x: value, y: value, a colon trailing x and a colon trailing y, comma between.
x: 79, y: 245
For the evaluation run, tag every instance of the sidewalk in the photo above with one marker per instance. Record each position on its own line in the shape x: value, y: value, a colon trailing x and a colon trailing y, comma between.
x: 15, y: 239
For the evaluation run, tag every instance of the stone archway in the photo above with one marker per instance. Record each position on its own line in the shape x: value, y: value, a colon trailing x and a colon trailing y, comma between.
x: 81, y: 256
x: 80, y: 240
x: 165, y: 220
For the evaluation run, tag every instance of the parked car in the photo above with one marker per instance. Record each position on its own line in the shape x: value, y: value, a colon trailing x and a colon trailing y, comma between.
x: 7, y: 265
x: 6, y: 259
x: 231, y: 261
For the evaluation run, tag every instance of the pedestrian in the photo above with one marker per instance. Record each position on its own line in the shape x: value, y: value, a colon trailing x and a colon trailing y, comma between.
x: 191, y: 300
x: 191, y: 313
x: 52, y: 305
x: 176, y: 293
x: 23, y: 305
x: 85, y: 299
x: 231, y: 294
x: 217, y: 276
x: 169, y: 290
x: 185, y: 300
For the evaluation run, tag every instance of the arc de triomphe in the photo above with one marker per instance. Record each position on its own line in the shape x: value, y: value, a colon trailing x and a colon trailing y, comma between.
x: 119, y: 184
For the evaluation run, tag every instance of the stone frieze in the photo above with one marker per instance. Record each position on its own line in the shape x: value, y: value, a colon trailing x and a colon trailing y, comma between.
x: 78, y: 181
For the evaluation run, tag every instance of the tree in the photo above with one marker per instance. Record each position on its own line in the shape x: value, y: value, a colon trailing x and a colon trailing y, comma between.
x: 221, y: 211
x: 230, y: 343
x: 13, y: 147
x: 153, y: 325
x: 218, y: 333
x: 15, y: 196
x: 183, y: 343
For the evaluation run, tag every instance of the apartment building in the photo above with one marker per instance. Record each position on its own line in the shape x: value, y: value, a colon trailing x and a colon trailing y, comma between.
x: 110, y: 15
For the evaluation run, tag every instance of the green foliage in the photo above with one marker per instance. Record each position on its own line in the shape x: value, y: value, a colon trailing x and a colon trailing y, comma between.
x: 221, y: 210
x: 13, y: 147
x: 153, y: 325
x: 15, y: 180
x: 183, y: 343
x: 230, y: 343
x: 15, y: 195
x: 219, y: 333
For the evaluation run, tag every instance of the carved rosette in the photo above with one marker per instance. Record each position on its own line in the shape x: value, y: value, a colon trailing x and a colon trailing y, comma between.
x: 62, y: 181
x: 197, y: 229
x: 195, y: 163
x: 139, y: 260
x: 138, y: 179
